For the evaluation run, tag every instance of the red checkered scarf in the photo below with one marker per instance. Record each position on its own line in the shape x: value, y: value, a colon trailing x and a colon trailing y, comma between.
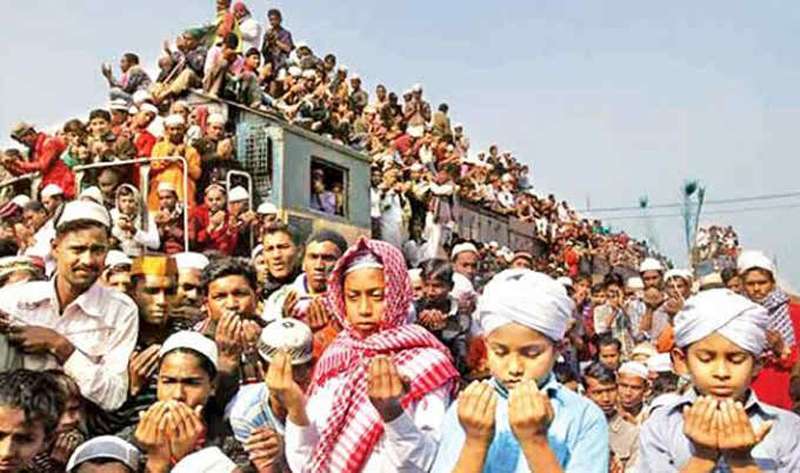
x: 354, y: 426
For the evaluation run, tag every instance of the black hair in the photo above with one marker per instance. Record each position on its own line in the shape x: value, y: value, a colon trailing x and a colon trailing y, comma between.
x: 252, y: 52
x: 582, y: 277
x: 231, y: 40
x: 36, y: 394
x: 666, y: 382
x: 132, y: 58
x: 104, y: 114
x: 439, y: 270
x: 34, y: 206
x: 613, y: 279
x: 280, y: 227
x: 600, y: 373
x: 597, y: 288
x: 224, y: 267
x: 330, y: 56
x: 75, y: 126
x: 8, y: 247
x: 331, y: 236
x: 444, y: 108
x: 607, y: 340
x: 564, y: 373
x: 727, y: 274
x: 274, y: 12
x: 205, y: 362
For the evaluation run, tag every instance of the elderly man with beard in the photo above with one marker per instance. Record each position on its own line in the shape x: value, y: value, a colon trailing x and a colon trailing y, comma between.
x: 72, y: 321
x: 172, y: 171
x: 213, y: 223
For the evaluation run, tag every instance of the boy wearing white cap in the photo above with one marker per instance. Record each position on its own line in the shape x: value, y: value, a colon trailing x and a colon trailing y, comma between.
x: 720, y: 424
x: 71, y: 321
x: 189, y: 298
x: 523, y: 419
x: 52, y: 196
x: 105, y: 453
x: 652, y: 273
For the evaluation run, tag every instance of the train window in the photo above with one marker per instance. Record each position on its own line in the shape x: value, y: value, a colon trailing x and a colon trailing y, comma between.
x: 328, y: 193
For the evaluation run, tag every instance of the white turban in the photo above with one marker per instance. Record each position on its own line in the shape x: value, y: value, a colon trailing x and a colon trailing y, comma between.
x: 174, y: 120
x: 650, y: 264
x: 661, y: 363
x: 207, y: 460
x: 736, y: 318
x: 528, y: 298
x: 754, y: 260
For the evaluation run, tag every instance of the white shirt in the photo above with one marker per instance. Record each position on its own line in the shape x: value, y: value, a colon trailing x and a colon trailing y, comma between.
x: 251, y: 34
x: 408, y: 444
x: 101, y: 323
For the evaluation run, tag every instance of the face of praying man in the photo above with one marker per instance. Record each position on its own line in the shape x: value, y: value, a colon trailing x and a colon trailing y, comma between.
x: 364, y: 294
x: 517, y: 353
x: 80, y: 256
x: 651, y: 279
x: 718, y: 367
x: 182, y: 378
x: 175, y: 133
x: 631, y: 390
x: 758, y: 284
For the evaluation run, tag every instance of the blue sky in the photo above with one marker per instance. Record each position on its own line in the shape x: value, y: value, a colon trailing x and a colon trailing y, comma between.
x: 607, y: 101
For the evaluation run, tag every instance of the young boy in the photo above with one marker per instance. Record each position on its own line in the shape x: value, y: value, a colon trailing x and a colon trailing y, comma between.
x: 30, y: 407
x: 523, y: 420
x: 720, y: 424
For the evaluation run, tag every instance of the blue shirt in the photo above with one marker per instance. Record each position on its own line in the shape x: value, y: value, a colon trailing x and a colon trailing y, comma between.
x: 578, y: 436
x: 664, y: 448
x: 250, y: 410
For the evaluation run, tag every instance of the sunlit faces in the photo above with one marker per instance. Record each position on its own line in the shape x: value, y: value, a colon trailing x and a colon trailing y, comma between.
x: 281, y: 254
x: 99, y: 126
x: 718, y: 367
x: 604, y: 394
x: 417, y: 285
x: 318, y: 262
x: 20, y: 440
x: 678, y: 288
x: 609, y: 356
x: 757, y: 284
x: 182, y: 377
x: 364, y: 295
x: 119, y: 281
x: 155, y: 297
x: 631, y: 390
x: 466, y: 264
x: 517, y: 354
x: 127, y: 204
x: 230, y: 294
x: 80, y: 256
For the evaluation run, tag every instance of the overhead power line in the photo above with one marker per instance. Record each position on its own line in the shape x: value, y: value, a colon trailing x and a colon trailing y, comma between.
x: 738, y: 200
x: 710, y: 212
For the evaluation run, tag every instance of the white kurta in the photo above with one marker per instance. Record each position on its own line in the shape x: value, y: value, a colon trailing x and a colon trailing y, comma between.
x: 101, y: 323
x: 408, y: 444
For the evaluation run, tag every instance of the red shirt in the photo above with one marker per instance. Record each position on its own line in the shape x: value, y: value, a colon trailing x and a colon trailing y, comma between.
x: 772, y: 383
x: 46, y: 159
x: 222, y: 239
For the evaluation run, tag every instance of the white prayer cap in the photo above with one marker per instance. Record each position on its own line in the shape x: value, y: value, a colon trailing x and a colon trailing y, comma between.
x: 21, y: 200
x: 651, y: 264
x: 84, y: 210
x: 93, y: 194
x: 408, y: 92
x: 635, y: 283
x: 289, y: 334
x: 133, y: 110
x: 645, y: 348
x: 633, y: 368
x: 50, y: 190
x: 116, y: 258
x: 207, y: 460
x: 191, y: 260
x: 119, y: 104
x: 141, y: 96
x: 342, y: 67
x: 678, y: 273
x: 238, y: 193
x: 309, y: 74
x: 355, y: 77
x: 295, y: 71
x: 193, y: 341
x: 463, y: 248
x: 150, y: 108
x: 754, y: 260
x: 416, y: 167
x: 736, y: 318
x: 216, y: 119
x: 174, y: 120
x: 415, y: 274
x: 532, y: 299
x: 167, y: 187
x: 565, y: 281
x: 493, y: 244
x: 660, y: 363
x: 267, y: 208
x: 417, y: 87
x: 256, y: 251
x: 105, y: 447
x: 458, y: 125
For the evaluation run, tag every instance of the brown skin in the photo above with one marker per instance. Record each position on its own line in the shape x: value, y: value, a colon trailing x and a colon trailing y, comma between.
x: 631, y: 391
x: 604, y: 395
x: 281, y: 254
x: 757, y: 284
x: 318, y: 262
x: 735, y: 285
x: 652, y: 279
x: 20, y: 440
x: 609, y: 356
x: 155, y: 297
x: 466, y: 263
x: 364, y: 293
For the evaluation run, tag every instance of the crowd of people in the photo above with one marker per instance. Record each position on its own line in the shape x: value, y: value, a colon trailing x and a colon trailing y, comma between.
x: 140, y: 332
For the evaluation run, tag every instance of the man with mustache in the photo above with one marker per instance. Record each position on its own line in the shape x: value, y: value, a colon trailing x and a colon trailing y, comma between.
x: 73, y: 322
